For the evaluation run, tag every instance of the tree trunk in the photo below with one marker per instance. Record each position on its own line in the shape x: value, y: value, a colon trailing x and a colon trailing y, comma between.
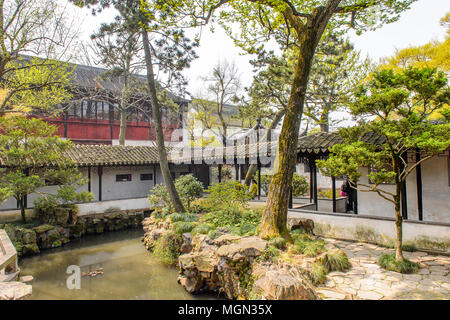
x: 274, y: 219
x: 164, y: 164
x: 398, y: 226
x: 22, y: 210
x: 324, y: 122
x: 123, y: 126
x: 252, y: 169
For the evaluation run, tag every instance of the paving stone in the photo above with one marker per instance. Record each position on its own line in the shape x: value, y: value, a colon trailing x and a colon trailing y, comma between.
x: 412, y: 277
x: 369, y: 295
x: 423, y: 271
x: 348, y: 290
x: 332, y: 294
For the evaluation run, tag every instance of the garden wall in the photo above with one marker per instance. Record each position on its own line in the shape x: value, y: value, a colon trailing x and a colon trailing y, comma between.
x: 424, y: 235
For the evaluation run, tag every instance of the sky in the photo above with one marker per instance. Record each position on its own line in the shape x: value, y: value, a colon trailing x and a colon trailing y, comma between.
x: 416, y: 26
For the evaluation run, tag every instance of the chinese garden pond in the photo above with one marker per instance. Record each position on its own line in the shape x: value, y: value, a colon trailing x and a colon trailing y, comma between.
x: 129, y: 271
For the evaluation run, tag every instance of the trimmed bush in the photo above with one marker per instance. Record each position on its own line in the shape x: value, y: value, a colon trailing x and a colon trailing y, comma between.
x: 389, y: 262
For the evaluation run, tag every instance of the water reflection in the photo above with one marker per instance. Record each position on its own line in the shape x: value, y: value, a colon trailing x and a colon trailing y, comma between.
x: 130, y: 272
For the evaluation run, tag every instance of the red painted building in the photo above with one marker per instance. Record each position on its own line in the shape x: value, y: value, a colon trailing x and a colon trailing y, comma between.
x: 93, y: 120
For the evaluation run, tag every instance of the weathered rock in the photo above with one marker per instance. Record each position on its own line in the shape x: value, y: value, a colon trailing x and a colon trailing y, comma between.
x: 245, y: 248
x: 30, y: 249
x: 152, y: 236
x: 28, y: 236
x: 186, y: 247
x: 14, y: 291
x: 26, y: 279
x: 279, y: 285
x: 300, y: 223
x: 225, y: 239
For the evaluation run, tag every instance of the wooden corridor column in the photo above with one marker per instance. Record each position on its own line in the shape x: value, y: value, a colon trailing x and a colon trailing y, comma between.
x: 259, y: 180
x: 333, y: 188
x: 311, y: 181
x: 316, y: 202
x: 219, y: 169
x: 419, y: 187
x: 100, y: 173
x: 89, y: 179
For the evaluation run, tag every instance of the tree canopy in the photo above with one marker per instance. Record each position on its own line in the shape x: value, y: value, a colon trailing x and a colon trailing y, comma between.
x: 396, y: 108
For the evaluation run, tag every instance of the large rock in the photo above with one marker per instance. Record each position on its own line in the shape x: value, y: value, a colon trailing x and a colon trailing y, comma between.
x: 300, y: 223
x: 242, y: 249
x: 14, y: 291
x: 280, y: 285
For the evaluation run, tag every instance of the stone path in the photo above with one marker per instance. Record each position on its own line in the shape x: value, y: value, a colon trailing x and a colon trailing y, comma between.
x: 366, y: 280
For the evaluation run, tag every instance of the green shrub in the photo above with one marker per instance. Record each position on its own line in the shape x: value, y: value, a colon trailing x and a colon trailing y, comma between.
x: 318, y: 274
x: 181, y: 227
x: 203, y: 228
x: 189, y: 189
x: 335, y: 260
x: 186, y: 217
x: 270, y: 254
x: 409, y: 247
x: 388, y: 262
x: 167, y: 248
x: 228, y: 195
x: 328, y: 194
x: 299, y: 184
x: 278, y: 242
x: 304, y: 244
x: 159, y: 198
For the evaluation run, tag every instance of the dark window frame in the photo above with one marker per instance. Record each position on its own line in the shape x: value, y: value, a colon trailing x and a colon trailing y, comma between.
x: 123, y: 177
x: 146, y: 176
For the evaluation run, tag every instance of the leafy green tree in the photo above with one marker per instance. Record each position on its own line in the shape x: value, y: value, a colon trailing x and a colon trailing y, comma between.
x: 189, y: 189
x: 394, y: 107
x: 33, y: 157
x: 167, y: 49
x: 337, y: 68
x: 27, y: 82
x: 292, y: 23
x: 119, y: 49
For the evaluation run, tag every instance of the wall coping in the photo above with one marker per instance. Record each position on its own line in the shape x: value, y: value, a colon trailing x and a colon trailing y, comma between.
x: 362, y: 216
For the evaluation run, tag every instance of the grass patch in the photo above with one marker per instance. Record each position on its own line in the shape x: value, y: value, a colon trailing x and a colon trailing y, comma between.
x: 388, y: 262
x: 318, y: 274
x: 278, y: 242
x: 408, y: 247
x: 270, y: 254
x: 186, y: 217
x: 167, y: 248
x: 335, y: 261
x: 203, y: 228
x: 181, y: 227
x: 305, y: 244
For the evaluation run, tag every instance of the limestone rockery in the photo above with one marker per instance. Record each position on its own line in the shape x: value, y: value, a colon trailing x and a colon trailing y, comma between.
x: 233, y: 266
x: 54, y: 233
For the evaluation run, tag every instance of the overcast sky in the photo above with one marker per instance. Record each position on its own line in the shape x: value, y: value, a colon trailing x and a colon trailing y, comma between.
x: 417, y: 26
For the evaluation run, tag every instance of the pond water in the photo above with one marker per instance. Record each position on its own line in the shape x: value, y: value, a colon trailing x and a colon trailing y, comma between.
x: 129, y: 271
